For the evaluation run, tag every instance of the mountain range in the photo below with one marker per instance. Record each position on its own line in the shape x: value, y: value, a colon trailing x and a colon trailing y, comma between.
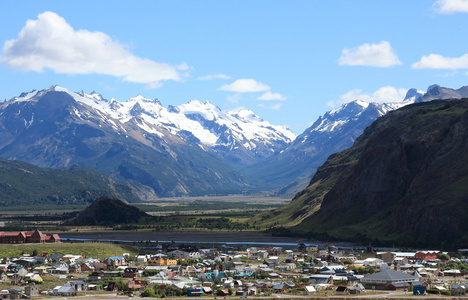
x: 191, y: 149
x: 403, y: 181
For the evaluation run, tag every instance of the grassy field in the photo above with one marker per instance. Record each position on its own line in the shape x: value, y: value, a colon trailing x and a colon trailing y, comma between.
x: 222, y: 213
x: 100, y: 250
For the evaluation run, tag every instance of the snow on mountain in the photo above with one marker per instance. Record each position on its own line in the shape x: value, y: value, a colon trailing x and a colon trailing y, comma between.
x: 413, y: 96
x: 213, y: 128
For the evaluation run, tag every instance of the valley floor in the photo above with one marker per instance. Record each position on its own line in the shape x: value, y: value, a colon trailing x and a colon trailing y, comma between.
x: 239, y: 237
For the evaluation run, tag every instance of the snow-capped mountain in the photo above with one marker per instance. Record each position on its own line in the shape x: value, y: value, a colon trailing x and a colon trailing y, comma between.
x: 237, y: 135
x: 332, y: 132
x: 188, y: 149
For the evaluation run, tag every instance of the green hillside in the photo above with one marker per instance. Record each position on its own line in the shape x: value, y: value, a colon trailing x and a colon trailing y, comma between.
x: 23, y: 184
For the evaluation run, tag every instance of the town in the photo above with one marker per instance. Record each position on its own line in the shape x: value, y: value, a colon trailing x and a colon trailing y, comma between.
x: 171, y: 270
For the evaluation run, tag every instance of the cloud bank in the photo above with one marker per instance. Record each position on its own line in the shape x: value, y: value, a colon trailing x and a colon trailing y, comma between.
x: 268, y: 96
x: 51, y: 43
x: 373, y: 55
x: 382, y: 95
x: 245, y: 86
x: 253, y: 86
x: 451, y: 6
x: 436, y: 61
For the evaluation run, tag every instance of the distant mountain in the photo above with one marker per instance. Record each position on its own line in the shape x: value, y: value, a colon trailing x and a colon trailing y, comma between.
x: 237, y: 136
x: 437, y: 92
x: 50, y: 128
x: 403, y: 182
x: 188, y: 150
x: 107, y: 211
x: 336, y: 130
x: 23, y: 184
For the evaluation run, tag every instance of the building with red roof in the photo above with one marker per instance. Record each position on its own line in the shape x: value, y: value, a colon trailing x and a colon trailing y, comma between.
x: 23, y: 237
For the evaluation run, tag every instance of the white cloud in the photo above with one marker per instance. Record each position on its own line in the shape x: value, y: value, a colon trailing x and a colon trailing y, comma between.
x: 382, y: 95
x: 374, y: 55
x: 214, y: 76
x: 51, y: 43
x: 245, y: 86
x: 451, y: 6
x: 234, y: 98
x: 271, y: 96
x: 273, y: 107
x: 436, y: 61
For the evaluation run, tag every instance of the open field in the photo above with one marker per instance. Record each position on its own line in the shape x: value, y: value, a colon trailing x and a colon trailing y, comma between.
x: 229, y: 213
x: 85, y: 249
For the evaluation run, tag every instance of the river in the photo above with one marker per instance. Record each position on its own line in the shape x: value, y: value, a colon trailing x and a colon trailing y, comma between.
x: 202, y: 237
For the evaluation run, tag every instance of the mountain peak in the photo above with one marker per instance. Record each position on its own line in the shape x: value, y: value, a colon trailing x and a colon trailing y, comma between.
x: 433, y: 86
x: 413, y: 95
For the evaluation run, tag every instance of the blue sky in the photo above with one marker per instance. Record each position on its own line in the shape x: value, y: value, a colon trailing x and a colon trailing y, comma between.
x: 288, y: 61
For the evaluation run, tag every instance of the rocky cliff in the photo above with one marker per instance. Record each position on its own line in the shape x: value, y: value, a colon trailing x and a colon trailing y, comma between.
x: 404, y: 181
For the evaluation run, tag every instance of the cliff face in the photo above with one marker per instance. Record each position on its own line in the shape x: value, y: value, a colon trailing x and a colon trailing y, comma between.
x: 404, y: 181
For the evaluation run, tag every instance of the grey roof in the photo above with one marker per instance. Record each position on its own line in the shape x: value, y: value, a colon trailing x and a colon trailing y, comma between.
x: 391, y: 275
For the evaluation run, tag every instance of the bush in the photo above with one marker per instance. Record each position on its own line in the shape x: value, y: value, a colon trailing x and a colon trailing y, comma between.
x: 149, y: 292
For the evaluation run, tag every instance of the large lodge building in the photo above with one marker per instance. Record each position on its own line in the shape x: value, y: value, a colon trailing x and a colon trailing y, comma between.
x: 23, y: 237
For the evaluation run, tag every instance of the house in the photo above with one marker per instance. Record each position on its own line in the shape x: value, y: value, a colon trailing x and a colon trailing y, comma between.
x: 31, y: 290
x: 59, y: 268
x: 71, y: 258
x: 141, y: 258
x: 273, y: 260
x: 87, y: 267
x: 65, y: 290
x: 3, y: 276
x: 26, y: 237
x: 137, y: 284
x: 161, y: 260
x: 357, y: 288
x: 452, y: 272
x: 54, y: 238
x: 280, y: 288
x: 400, y: 261
x: 116, y: 261
x: 342, y: 290
x: 427, y: 255
x: 130, y: 273
x: 77, y: 285
x: 309, y: 290
x: 321, y: 279
x: 33, y: 276
x: 15, y: 293
x: 75, y: 268
x: 458, y: 290
x: 387, y: 257
x: 179, y: 254
x: 195, y: 292
x: 419, y: 290
x: 382, y: 280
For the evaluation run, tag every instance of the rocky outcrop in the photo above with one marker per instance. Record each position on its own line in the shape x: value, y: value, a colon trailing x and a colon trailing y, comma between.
x: 404, y: 181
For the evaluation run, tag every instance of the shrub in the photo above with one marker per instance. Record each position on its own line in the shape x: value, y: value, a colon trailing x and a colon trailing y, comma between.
x: 149, y: 292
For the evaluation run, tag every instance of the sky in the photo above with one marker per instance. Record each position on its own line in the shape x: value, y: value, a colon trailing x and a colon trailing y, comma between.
x: 288, y: 61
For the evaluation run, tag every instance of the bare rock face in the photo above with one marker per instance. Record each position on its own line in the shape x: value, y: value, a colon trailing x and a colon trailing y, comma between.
x: 404, y: 181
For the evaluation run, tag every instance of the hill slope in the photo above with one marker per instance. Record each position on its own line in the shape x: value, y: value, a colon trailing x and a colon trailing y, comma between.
x: 404, y: 181
x: 107, y: 211
x: 23, y: 184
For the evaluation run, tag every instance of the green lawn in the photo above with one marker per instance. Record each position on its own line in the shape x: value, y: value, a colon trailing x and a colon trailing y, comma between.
x: 100, y: 250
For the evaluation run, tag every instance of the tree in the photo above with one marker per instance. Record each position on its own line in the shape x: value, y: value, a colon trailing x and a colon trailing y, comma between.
x: 149, y: 292
x: 443, y: 256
